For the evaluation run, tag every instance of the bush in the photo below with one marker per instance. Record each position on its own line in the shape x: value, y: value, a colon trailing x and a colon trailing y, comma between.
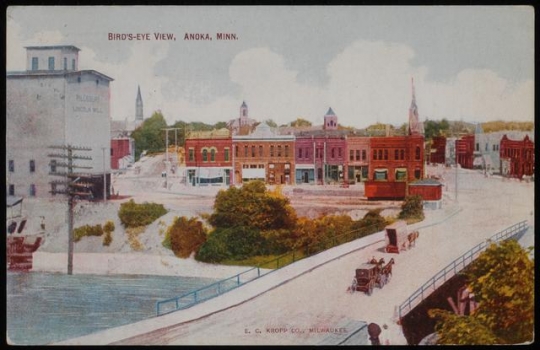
x: 412, y: 208
x: 87, y: 230
x: 107, y: 239
x: 235, y: 243
x: 132, y: 214
x: 185, y: 236
x: 108, y: 228
x: 371, y: 222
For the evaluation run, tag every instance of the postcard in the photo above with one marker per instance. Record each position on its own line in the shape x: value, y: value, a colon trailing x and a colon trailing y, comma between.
x: 267, y: 175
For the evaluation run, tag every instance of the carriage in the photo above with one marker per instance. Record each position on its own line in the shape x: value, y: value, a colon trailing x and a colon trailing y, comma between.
x: 398, y: 238
x: 371, y: 274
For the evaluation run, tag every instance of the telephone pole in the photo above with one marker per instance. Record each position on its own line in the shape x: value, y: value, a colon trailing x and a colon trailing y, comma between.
x: 167, y: 163
x: 73, y: 187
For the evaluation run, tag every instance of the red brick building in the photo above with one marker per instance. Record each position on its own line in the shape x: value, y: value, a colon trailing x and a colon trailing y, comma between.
x: 263, y: 155
x: 517, y: 157
x: 394, y: 162
x: 438, y: 150
x: 358, y: 162
x: 122, y: 152
x: 209, y: 158
x: 465, y: 151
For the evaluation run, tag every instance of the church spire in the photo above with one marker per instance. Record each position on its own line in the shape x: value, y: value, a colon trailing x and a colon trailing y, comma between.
x: 139, y: 106
x: 415, y: 126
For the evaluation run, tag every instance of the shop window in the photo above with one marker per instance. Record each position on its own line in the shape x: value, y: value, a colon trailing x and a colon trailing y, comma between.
x: 401, y: 174
x: 380, y: 175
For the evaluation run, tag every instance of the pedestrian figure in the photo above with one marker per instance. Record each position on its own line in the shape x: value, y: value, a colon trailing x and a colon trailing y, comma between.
x: 374, y: 331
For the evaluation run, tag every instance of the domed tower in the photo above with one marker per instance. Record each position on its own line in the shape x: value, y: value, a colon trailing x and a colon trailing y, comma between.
x: 243, y: 113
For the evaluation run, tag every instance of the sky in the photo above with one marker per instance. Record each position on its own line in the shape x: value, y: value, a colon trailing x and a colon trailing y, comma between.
x: 470, y: 63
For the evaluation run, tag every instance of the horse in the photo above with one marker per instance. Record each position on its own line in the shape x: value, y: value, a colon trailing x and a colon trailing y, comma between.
x: 412, y: 237
x: 387, y: 269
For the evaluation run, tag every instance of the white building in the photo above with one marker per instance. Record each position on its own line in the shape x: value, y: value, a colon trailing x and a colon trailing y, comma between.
x: 54, y: 103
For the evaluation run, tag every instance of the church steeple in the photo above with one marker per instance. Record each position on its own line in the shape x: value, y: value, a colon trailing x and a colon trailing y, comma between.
x: 139, y: 106
x: 415, y: 126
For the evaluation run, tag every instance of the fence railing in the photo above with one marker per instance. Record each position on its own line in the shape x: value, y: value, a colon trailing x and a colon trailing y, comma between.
x: 456, y: 266
x: 212, y: 290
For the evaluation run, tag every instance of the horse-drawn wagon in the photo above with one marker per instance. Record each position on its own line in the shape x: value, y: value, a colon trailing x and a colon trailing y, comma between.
x: 371, y: 274
x: 398, y: 238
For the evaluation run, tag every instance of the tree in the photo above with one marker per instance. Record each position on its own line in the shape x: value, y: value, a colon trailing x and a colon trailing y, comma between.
x: 299, y: 122
x: 502, y: 280
x: 252, y: 206
x: 185, y: 236
x: 271, y: 123
x: 434, y: 128
x: 412, y: 208
x: 150, y: 135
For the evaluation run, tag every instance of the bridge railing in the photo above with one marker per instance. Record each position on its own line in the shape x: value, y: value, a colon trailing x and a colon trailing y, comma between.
x: 456, y: 266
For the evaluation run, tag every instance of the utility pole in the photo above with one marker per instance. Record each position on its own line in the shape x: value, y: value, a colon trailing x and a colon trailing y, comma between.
x: 167, y: 151
x: 104, y: 176
x: 73, y: 187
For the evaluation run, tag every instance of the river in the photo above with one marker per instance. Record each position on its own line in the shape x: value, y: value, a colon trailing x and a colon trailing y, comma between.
x: 43, y: 308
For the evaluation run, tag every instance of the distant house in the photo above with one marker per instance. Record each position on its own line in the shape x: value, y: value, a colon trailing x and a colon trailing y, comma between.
x: 517, y: 157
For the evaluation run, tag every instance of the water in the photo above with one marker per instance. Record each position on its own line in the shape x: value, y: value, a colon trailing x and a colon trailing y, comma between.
x: 46, y: 307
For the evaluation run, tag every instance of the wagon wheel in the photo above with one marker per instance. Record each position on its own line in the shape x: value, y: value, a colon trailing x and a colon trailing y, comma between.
x: 370, y: 288
x: 382, y: 281
x: 354, y: 285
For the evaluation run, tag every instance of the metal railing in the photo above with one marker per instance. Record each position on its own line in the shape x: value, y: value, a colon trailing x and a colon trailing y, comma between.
x: 189, y: 299
x: 456, y: 266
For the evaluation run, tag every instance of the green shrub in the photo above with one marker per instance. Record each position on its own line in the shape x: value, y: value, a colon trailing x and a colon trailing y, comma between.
x: 233, y: 243
x: 107, y: 238
x: 109, y: 226
x: 87, y: 230
x: 412, y: 208
x: 132, y: 214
